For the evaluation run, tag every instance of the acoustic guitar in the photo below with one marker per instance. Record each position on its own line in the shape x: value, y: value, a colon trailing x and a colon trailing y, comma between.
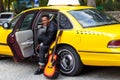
x: 51, y: 70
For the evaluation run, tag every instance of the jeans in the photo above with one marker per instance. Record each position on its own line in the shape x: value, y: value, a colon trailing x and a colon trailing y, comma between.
x: 42, y: 51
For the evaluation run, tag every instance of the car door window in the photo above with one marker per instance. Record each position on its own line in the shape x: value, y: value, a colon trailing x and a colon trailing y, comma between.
x: 14, y: 21
x: 64, y: 23
x: 27, y: 22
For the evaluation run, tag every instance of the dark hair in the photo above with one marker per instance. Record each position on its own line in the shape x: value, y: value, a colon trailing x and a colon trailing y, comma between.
x: 45, y: 16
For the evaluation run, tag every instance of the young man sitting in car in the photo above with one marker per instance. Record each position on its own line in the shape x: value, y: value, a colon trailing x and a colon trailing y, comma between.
x: 45, y: 39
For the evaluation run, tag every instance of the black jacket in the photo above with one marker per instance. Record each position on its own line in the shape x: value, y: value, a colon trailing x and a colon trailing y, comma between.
x: 51, y: 32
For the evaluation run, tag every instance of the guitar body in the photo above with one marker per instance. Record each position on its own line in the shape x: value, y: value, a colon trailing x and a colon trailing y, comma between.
x: 50, y: 70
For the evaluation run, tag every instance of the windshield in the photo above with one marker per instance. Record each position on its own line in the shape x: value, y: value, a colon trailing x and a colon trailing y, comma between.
x: 6, y: 16
x: 92, y: 18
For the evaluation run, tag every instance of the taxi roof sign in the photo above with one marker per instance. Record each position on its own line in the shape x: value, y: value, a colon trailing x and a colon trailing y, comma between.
x: 63, y: 2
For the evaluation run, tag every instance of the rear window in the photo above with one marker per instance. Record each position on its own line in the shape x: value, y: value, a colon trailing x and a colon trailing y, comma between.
x: 92, y: 18
x: 5, y: 15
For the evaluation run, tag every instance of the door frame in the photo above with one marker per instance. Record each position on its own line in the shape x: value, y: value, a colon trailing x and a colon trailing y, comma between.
x: 36, y: 23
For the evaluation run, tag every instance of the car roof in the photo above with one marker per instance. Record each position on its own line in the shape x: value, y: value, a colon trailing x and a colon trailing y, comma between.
x: 61, y: 8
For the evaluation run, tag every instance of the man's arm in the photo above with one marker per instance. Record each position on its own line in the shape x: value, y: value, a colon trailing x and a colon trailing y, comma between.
x: 50, y: 38
x: 51, y: 34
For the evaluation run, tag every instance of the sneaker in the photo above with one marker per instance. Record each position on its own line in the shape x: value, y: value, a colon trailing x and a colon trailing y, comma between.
x: 38, y: 71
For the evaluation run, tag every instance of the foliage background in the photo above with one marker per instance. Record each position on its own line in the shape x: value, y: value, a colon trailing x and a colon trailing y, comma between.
x: 106, y: 5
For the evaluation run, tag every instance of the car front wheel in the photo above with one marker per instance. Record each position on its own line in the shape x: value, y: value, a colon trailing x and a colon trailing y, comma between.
x: 69, y: 60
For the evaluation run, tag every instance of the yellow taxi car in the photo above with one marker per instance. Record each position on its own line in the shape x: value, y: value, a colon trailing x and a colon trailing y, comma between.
x: 89, y: 37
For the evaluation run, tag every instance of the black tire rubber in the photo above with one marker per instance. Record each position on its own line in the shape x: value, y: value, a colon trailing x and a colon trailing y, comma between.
x: 67, y: 51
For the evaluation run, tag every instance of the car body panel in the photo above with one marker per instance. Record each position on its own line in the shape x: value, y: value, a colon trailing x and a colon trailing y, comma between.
x: 91, y: 53
x: 100, y: 59
x: 4, y: 48
x: 98, y: 35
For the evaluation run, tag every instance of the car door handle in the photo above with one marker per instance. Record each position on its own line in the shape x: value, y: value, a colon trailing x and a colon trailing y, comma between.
x: 27, y: 43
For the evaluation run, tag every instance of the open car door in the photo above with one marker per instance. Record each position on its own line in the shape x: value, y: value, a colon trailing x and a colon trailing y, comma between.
x: 21, y: 39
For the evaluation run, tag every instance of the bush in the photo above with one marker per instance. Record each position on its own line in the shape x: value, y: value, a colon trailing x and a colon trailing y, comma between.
x: 19, y: 7
x: 108, y: 5
x: 43, y: 2
x: 117, y: 6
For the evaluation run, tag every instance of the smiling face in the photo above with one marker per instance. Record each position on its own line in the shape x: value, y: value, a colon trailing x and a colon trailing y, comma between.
x: 45, y: 21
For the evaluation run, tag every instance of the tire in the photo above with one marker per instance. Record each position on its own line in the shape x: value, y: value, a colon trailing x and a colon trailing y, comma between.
x: 69, y: 61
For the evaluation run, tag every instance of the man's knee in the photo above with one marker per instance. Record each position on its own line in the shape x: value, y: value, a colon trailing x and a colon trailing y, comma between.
x: 43, y: 49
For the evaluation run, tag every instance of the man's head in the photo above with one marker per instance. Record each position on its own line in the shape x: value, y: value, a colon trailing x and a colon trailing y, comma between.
x: 45, y: 20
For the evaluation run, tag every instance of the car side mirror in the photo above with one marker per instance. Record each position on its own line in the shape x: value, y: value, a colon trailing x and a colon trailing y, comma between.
x: 6, y: 25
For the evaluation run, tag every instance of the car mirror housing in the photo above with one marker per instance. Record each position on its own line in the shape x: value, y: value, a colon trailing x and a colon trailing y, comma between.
x: 6, y: 25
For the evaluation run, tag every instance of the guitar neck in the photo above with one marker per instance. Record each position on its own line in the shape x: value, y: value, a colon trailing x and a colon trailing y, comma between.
x: 56, y: 41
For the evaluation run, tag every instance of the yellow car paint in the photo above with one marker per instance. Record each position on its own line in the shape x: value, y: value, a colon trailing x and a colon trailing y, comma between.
x: 89, y: 43
x: 4, y: 48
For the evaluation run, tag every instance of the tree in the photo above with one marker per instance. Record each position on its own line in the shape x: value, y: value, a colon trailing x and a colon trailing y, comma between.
x: 9, y: 5
x: 19, y: 7
x: 91, y: 3
x: 1, y: 5
x: 109, y: 5
x: 82, y: 2
x: 43, y: 2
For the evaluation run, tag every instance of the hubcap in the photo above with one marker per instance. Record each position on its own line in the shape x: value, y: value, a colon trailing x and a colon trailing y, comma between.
x: 67, y: 61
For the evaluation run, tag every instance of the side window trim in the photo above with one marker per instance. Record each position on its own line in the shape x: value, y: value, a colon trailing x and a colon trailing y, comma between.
x: 23, y: 17
x: 71, y: 25
x: 12, y: 25
x: 28, y: 23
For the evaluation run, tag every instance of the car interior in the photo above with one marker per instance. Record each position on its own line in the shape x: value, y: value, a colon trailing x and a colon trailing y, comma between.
x: 39, y: 29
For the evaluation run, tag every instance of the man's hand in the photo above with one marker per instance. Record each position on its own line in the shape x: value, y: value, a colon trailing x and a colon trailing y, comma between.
x: 37, y: 47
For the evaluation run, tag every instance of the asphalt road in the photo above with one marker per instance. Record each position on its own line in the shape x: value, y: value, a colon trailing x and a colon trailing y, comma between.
x: 9, y: 70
